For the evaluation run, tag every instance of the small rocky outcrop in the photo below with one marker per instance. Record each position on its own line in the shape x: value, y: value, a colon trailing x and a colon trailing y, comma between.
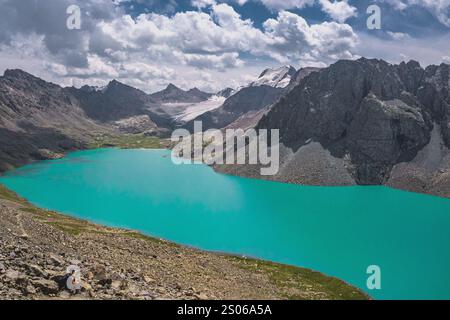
x: 136, y: 125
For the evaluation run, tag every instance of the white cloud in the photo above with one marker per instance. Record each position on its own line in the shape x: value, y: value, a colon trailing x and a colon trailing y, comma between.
x: 398, y: 35
x: 319, y: 44
x: 148, y: 48
x: 202, y: 3
x: 216, y: 40
x: 287, y: 4
x: 220, y: 62
x: 97, y: 67
x: 338, y: 10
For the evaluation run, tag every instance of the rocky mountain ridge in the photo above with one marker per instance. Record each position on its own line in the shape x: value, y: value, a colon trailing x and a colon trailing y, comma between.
x: 40, y: 120
x: 173, y: 94
x: 276, y: 78
x: 368, y: 113
x: 249, y: 103
x: 361, y: 122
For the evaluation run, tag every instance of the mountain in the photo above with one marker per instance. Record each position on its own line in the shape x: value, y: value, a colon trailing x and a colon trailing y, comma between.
x: 299, y: 75
x: 245, y: 107
x: 226, y: 93
x: 116, y: 101
x: 354, y: 122
x: 365, y: 122
x: 276, y: 78
x: 247, y: 100
x: 39, y: 119
x: 173, y: 94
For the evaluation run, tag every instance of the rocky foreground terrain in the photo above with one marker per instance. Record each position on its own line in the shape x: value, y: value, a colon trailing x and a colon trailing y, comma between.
x: 37, y: 246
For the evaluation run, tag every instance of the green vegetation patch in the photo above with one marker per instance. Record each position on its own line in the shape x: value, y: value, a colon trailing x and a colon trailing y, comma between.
x: 129, y: 141
x: 302, y: 284
x: 7, y: 194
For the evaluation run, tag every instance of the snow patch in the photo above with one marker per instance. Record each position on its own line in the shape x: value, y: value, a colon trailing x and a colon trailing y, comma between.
x: 277, y: 78
x: 184, y: 112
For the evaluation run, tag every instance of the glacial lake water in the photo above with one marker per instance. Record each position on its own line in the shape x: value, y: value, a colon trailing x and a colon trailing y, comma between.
x: 339, y: 231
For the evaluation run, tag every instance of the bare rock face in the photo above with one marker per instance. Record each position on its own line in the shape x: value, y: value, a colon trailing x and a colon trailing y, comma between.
x: 434, y: 94
x: 115, y: 102
x: 246, y: 100
x: 253, y: 99
x: 374, y: 113
x: 300, y: 75
x: 39, y: 120
x: 383, y: 134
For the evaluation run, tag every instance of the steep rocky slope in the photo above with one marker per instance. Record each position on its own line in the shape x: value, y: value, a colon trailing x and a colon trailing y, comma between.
x: 249, y: 99
x: 364, y: 122
x: 39, y: 120
x: 246, y: 106
x: 299, y: 75
x: 114, y: 102
x: 276, y: 78
x: 118, y: 101
x: 367, y: 115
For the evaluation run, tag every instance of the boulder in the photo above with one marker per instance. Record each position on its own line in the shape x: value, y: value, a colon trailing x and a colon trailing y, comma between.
x: 46, y: 286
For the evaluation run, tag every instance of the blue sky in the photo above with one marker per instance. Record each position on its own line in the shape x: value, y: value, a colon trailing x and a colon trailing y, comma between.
x: 415, y: 19
x: 212, y: 44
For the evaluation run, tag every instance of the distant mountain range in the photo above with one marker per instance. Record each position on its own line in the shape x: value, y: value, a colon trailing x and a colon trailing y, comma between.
x: 173, y: 94
x: 276, y: 78
x: 354, y: 122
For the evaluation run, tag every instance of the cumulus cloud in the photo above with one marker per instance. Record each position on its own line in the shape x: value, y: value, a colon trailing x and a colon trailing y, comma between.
x: 338, y: 10
x: 318, y: 44
x: 210, y: 61
x: 213, y: 39
x: 202, y: 3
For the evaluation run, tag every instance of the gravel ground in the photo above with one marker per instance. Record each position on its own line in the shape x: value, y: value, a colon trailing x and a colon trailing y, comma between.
x: 37, y: 246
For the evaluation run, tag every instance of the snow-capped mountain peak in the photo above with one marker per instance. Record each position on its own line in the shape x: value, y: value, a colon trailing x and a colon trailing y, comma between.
x: 277, y: 78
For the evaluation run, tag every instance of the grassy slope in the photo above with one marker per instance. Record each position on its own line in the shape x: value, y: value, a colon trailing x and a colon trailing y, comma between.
x: 128, y: 142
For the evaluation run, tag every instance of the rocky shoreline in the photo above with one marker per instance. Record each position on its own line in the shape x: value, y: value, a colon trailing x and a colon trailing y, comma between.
x: 37, y: 246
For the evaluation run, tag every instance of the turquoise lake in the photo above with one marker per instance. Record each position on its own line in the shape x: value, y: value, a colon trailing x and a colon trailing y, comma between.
x: 339, y: 231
